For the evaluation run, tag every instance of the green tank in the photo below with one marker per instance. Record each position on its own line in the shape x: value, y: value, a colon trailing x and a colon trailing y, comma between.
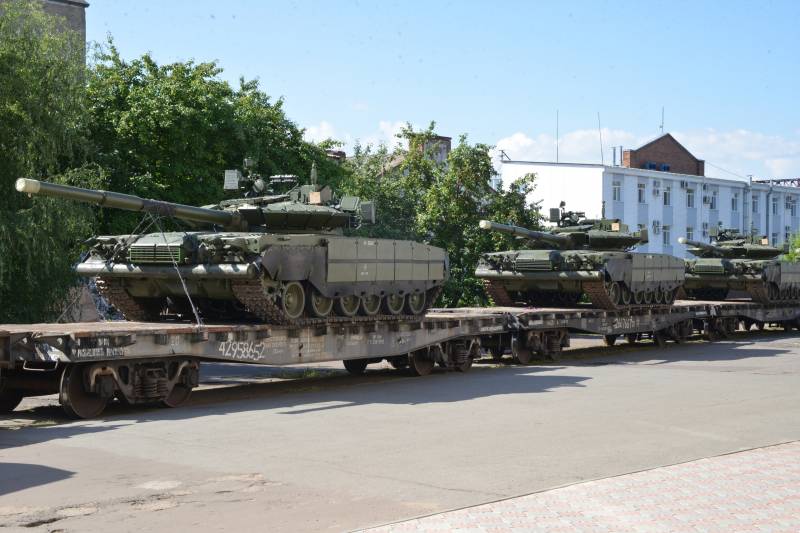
x: 278, y: 255
x: 578, y: 257
x: 737, y: 262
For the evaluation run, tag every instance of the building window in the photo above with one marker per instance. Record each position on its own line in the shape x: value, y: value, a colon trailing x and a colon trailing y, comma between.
x: 791, y: 206
x: 650, y: 166
x: 616, y: 191
x: 755, y: 204
x: 713, y: 200
x: 735, y: 202
x: 664, y: 167
x: 774, y: 239
x: 774, y: 205
x: 668, y: 195
x: 665, y: 235
x: 787, y: 236
x: 642, y: 190
x: 689, y: 197
x: 690, y: 233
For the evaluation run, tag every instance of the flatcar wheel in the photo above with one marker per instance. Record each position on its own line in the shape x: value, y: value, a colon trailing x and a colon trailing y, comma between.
x: 355, y: 366
x: 177, y: 396
x: 415, y: 303
x: 318, y: 305
x: 420, y: 362
x: 76, y: 401
x: 370, y: 304
x: 632, y: 338
x: 347, y: 305
x: 393, y: 304
x: 638, y: 297
x: 293, y: 300
x: 610, y: 339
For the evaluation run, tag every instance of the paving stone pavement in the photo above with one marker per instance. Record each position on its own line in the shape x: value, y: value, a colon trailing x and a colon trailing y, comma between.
x: 751, y: 491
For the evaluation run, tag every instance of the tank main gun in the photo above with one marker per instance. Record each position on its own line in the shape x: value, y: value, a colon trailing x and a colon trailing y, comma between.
x: 707, y: 249
x: 129, y: 202
x: 518, y: 231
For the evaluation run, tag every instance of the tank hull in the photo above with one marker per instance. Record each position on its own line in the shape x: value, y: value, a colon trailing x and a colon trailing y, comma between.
x: 357, y: 274
x: 610, y: 280
x: 765, y: 281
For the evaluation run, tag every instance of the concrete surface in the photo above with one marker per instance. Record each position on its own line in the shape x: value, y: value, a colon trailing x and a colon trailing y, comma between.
x: 337, y: 452
x: 755, y: 490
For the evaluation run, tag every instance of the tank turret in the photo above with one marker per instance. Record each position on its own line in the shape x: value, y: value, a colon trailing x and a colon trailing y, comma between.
x: 576, y: 257
x: 278, y: 254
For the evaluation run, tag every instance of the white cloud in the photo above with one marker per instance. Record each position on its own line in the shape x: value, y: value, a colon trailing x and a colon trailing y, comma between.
x: 385, y: 133
x: 320, y: 132
x: 739, y: 152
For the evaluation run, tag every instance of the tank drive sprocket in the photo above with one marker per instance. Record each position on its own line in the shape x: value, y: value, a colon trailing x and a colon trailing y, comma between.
x: 498, y: 293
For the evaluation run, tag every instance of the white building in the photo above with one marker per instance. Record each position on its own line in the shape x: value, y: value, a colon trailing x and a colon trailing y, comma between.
x: 669, y: 205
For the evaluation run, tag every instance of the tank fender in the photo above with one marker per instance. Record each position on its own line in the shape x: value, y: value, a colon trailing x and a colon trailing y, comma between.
x: 290, y: 263
x: 618, y: 269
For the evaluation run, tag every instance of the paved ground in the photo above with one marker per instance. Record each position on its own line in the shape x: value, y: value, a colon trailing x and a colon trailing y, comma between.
x: 337, y: 453
x: 756, y: 490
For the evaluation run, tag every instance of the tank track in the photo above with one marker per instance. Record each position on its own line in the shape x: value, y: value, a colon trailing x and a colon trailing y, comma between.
x: 131, y: 308
x: 251, y: 294
x: 498, y: 293
x: 759, y: 292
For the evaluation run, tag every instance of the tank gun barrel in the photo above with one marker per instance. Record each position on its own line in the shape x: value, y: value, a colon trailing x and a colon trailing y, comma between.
x: 518, y: 231
x: 128, y: 202
x: 706, y: 247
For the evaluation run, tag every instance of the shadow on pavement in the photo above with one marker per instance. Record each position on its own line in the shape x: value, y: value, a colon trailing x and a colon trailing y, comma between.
x: 20, y: 476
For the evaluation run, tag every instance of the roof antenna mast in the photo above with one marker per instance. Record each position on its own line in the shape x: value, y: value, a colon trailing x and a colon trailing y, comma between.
x: 556, y: 135
x: 662, y: 120
x: 600, y: 131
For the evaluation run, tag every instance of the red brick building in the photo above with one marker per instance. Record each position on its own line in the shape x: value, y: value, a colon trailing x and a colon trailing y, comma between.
x: 664, y: 154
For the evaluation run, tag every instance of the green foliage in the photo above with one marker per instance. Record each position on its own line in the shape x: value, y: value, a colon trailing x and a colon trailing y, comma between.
x: 420, y: 197
x: 794, y: 249
x: 41, y: 109
x: 169, y: 131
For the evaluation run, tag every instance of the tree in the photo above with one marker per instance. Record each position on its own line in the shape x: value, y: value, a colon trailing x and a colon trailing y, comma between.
x: 794, y: 249
x: 169, y: 131
x: 419, y: 196
x: 41, y: 110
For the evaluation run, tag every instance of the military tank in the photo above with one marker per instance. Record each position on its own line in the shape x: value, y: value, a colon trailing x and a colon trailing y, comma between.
x: 579, y: 256
x: 278, y: 254
x: 737, y: 262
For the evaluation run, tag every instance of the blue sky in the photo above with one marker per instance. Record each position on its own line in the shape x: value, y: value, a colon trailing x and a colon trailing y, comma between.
x: 726, y: 73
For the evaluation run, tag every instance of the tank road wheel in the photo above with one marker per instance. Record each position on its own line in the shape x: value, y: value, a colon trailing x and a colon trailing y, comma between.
x: 318, y: 305
x: 76, y: 401
x: 669, y: 296
x: 638, y: 297
x: 626, y: 297
x: 370, y: 304
x: 614, y: 292
x: 648, y: 297
x: 415, y: 303
x: 393, y: 304
x: 292, y: 301
x: 356, y: 366
x: 658, y: 297
x: 347, y: 305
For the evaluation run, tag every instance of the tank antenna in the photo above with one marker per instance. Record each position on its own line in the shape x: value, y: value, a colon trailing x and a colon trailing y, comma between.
x: 314, y: 173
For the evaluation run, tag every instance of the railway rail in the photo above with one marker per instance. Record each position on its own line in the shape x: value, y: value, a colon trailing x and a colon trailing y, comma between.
x: 90, y: 364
